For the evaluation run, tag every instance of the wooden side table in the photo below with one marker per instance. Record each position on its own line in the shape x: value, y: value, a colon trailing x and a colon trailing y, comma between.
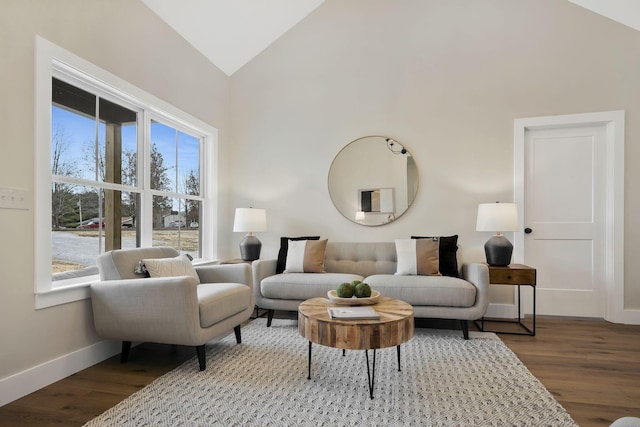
x: 513, y: 275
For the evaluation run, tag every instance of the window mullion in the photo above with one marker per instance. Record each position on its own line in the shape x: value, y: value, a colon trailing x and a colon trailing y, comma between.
x: 144, y: 177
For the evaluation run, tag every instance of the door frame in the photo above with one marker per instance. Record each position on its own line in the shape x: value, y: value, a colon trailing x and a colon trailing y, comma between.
x: 614, y: 199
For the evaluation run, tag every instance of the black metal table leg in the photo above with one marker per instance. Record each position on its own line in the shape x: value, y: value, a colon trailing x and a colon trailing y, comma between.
x: 519, y: 320
x: 533, y: 332
x: 309, y: 373
x: 371, y: 373
x: 371, y: 367
x: 519, y: 304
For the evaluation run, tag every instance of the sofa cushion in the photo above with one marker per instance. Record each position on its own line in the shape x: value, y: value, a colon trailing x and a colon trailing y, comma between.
x: 284, y: 247
x: 417, y: 256
x: 302, y: 286
x: 448, y: 254
x: 365, y: 259
x: 170, y: 267
x: 217, y: 301
x: 441, y: 291
x: 306, y: 256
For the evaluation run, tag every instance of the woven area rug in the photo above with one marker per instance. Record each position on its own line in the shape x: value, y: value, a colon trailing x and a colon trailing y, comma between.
x: 445, y: 381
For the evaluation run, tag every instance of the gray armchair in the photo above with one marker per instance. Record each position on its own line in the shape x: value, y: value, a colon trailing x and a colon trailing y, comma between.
x: 181, y: 310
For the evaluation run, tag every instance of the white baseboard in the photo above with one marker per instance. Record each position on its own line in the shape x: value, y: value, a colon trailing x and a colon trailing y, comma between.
x: 18, y: 385
x: 502, y: 311
x: 510, y: 311
x: 630, y: 317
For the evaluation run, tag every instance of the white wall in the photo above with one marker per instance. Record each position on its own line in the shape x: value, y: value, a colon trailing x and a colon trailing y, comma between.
x: 447, y: 79
x: 125, y: 38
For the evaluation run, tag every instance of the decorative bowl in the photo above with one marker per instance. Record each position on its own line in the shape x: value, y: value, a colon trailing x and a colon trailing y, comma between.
x: 334, y: 298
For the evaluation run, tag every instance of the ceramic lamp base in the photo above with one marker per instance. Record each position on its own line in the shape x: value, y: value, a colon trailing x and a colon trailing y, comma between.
x: 498, y: 250
x: 250, y: 248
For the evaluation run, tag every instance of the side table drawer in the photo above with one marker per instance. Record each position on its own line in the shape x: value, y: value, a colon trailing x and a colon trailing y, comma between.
x: 512, y: 276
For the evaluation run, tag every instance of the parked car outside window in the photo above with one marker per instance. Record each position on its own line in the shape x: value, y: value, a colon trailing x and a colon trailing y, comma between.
x: 92, y: 223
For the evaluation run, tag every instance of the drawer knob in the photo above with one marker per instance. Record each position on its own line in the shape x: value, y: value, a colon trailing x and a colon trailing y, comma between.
x: 509, y: 277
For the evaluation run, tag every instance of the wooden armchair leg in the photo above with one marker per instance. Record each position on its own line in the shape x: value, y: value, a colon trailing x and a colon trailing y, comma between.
x: 201, y: 358
x: 238, y: 335
x: 126, y: 348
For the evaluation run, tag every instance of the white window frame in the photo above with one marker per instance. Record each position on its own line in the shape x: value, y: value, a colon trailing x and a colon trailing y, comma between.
x: 52, y: 61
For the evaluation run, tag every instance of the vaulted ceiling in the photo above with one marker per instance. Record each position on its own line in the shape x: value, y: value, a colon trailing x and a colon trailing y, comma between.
x: 232, y: 32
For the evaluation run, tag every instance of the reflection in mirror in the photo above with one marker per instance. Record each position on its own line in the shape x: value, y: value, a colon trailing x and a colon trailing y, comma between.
x: 373, y: 180
x: 377, y: 200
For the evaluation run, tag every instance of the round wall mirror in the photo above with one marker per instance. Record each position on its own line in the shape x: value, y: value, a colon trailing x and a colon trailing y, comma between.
x: 373, y: 180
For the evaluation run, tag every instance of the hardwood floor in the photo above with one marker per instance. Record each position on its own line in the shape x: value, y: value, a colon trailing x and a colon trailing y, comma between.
x: 592, y: 367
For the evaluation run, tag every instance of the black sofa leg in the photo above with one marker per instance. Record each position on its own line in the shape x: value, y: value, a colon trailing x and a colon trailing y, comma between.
x: 201, y: 359
x: 464, y: 324
x: 269, y: 317
x: 126, y: 348
x: 238, y: 335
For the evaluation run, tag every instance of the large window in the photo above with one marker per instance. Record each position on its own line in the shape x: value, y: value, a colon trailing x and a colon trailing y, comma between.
x: 123, y: 174
x: 95, y: 199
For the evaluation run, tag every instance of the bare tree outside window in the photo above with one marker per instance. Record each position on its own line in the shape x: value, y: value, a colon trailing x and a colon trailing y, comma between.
x: 63, y: 200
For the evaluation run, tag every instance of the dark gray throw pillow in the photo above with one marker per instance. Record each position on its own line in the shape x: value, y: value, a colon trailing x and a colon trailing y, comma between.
x: 284, y: 247
x: 448, y: 257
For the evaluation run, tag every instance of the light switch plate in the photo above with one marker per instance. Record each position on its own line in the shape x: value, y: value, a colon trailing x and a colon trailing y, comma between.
x: 14, y: 198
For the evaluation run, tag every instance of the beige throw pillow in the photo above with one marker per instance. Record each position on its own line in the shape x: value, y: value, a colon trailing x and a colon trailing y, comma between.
x: 418, y: 257
x: 170, y: 267
x: 306, y: 256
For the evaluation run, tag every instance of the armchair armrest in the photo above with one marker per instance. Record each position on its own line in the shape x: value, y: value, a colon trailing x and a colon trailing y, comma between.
x: 163, y: 309
x: 226, y: 273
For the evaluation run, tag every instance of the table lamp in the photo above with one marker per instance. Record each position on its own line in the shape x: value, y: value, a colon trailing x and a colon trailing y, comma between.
x: 498, y: 217
x: 250, y: 220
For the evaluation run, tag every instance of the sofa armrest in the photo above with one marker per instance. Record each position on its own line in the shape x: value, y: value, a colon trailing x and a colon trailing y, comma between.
x: 225, y: 273
x: 160, y: 309
x: 262, y: 268
x: 478, y: 274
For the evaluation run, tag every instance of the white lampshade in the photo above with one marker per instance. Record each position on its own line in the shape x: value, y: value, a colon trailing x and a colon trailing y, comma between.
x: 497, y: 217
x: 250, y: 220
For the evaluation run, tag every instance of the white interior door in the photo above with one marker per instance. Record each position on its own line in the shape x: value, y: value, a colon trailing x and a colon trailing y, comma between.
x: 564, y: 208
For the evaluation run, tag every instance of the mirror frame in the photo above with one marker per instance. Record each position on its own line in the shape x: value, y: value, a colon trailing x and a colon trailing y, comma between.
x: 378, y: 174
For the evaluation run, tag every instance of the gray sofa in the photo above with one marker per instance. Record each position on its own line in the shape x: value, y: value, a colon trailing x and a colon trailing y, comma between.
x: 439, y: 297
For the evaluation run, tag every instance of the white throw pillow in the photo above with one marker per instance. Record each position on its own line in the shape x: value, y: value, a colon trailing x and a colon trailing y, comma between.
x: 418, y: 257
x: 170, y: 267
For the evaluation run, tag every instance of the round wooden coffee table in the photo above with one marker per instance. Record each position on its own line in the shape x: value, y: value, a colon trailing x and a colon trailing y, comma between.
x: 394, y: 327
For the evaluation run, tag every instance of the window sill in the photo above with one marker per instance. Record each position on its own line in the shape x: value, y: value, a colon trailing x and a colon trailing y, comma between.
x: 62, y: 295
